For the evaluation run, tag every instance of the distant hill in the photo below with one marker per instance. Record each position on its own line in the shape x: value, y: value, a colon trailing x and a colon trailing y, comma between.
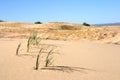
x: 108, y: 24
x: 60, y: 31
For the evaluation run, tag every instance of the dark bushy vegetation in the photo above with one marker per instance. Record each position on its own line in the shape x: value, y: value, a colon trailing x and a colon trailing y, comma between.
x: 38, y: 22
x: 86, y: 24
x: 2, y: 21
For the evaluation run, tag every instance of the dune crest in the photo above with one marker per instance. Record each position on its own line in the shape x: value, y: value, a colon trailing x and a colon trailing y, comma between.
x: 59, y: 31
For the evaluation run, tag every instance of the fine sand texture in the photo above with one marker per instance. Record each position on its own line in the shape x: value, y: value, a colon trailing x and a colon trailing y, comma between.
x: 77, y: 60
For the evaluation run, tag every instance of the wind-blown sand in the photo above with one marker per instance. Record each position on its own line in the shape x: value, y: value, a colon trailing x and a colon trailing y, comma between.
x: 80, y: 60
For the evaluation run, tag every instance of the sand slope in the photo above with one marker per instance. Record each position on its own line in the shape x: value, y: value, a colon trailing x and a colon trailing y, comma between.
x: 81, y: 60
x: 58, y: 31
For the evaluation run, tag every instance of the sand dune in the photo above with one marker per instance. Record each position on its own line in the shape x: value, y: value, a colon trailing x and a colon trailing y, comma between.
x: 83, y: 52
x: 78, y: 60
x: 59, y: 31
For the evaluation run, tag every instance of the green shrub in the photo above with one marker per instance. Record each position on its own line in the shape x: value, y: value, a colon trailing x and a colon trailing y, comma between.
x: 38, y: 22
x: 86, y: 24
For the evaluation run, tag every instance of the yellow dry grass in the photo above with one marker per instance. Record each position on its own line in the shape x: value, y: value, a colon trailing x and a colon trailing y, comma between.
x: 56, y: 30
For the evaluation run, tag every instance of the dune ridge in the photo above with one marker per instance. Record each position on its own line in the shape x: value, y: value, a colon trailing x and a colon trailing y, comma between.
x: 60, y: 31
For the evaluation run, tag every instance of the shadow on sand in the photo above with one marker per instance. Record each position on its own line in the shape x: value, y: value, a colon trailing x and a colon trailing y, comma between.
x: 67, y: 69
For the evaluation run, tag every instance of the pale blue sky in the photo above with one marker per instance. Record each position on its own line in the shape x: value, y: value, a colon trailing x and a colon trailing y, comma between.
x: 75, y: 11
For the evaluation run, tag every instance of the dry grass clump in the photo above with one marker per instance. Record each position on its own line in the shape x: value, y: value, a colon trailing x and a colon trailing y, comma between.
x: 45, y: 58
x: 49, y: 58
x: 33, y: 40
x: 45, y: 54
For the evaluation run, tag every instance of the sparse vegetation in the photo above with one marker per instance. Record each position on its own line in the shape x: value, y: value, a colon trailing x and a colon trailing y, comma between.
x: 45, y: 54
x: 28, y: 44
x: 17, y: 50
x: 33, y: 40
x: 37, y: 62
x: 49, y: 58
x: 45, y: 57
x: 55, y: 31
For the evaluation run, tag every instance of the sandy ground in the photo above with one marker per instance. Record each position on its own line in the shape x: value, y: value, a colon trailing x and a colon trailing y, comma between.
x: 78, y: 60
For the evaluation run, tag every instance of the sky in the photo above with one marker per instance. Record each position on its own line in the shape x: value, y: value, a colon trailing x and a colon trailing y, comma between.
x: 74, y: 11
